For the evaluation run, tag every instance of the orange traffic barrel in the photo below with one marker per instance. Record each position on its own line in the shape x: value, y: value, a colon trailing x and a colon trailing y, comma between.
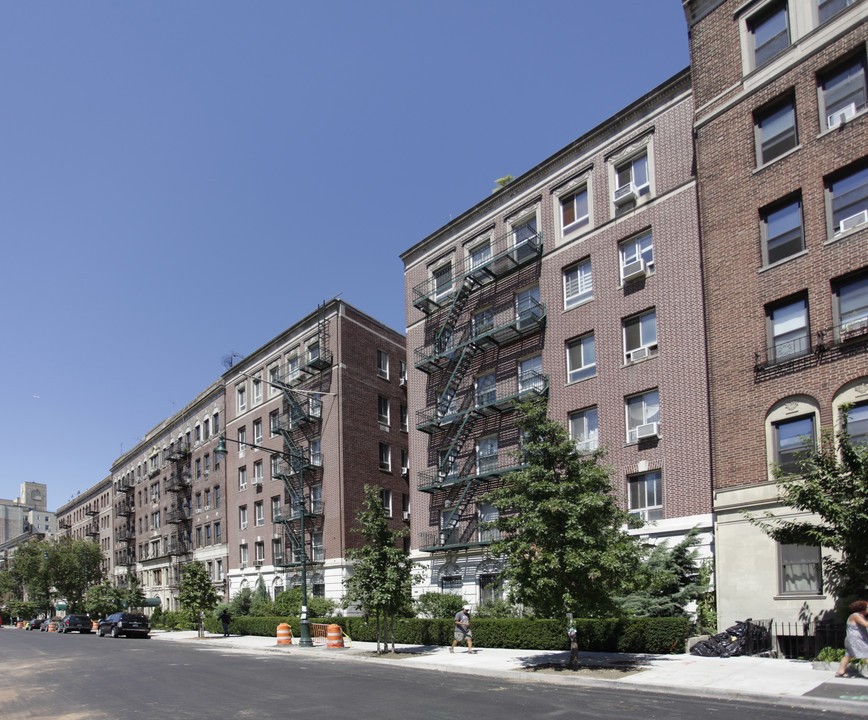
x: 19, y: 625
x: 94, y: 626
x: 284, y: 634
x: 335, y: 636
x: 51, y: 627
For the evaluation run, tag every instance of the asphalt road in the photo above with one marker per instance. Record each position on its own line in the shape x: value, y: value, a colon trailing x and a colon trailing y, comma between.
x: 73, y: 677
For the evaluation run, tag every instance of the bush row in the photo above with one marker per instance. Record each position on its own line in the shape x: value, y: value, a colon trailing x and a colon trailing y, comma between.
x: 627, y: 635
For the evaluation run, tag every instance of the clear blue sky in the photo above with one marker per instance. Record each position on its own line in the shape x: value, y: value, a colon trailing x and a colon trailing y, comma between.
x: 182, y: 180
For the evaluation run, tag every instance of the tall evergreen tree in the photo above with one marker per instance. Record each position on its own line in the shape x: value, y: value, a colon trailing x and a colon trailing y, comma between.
x: 196, y: 593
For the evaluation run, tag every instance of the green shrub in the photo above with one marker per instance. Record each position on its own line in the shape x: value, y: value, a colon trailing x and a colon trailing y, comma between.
x: 439, y: 605
x: 830, y: 654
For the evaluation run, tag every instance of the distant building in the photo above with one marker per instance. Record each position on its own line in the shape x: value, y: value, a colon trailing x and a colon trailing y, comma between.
x: 89, y: 516
x: 781, y: 138
x: 27, y: 513
x: 579, y: 281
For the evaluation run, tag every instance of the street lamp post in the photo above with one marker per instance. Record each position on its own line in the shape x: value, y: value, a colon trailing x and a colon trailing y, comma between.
x: 304, y: 637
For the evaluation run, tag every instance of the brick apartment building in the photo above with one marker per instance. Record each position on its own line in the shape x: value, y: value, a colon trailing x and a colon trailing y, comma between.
x: 88, y: 516
x: 780, y: 131
x: 329, y: 394
x: 579, y: 281
x: 169, y: 502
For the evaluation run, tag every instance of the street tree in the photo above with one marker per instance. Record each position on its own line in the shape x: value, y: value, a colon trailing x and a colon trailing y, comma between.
x: 29, y: 567
x: 73, y: 564
x: 832, y: 485
x: 562, y: 529
x: 196, y: 593
x: 104, y: 599
x: 132, y: 595
x: 382, y: 573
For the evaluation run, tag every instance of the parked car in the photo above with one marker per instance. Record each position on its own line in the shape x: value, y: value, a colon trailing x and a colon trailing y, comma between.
x: 123, y: 623
x: 33, y: 624
x: 47, y: 622
x: 71, y: 623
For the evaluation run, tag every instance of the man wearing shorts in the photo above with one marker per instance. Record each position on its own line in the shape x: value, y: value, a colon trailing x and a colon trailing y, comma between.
x: 462, y: 630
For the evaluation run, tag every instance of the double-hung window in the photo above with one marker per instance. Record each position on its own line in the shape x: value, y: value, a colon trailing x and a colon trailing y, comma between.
x: 584, y: 429
x: 242, y: 442
x: 631, y: 183
x: 788, y: 326
x: 528, y: 309
x: 383, y: 412
x: 483, y: 322
x: 257, y: 390
x: 581, y: 358
x: 842, y: 92
x: 385, y: 457
x: 643, y: 416
x: 770, y: 32
x: 241, y: 397
x: 443, y: 281
x: 574, y: 210
x: 486, y: 389
x: 827, y: 9
x: 242, y: 478
x: 637, y: 257
x: 386, y: 501
x: 530, y: 374
x: 258, y: 513
x: 782, y: 231
x: 800, y: 570
x: 486, y: 454
x: 257, y: 432
x: 316, y: 453
x: 793, y: 438
x: 242, y: 517
x: 525, y: 240
x: 847, y: 200
x: 645, y: 495
x: 480, y: 255
x: 852, y: 296
x: 578, y: 286
x: 857, y: 424
x: 775, y: 130
x: 383, y: 364
x: 257, y: 473
x: 640, y: 337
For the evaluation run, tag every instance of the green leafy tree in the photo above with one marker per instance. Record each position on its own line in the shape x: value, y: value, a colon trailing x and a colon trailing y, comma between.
x: 832, y: 484
x: 439, y: 605
x: 133, y: 596
x: 29, y: 567
x: 9, y: 587
x: 242, y: 601
x: 73, y: 564
x: 671, y: 580
x: 260, y: 604
x: 288, y: 604
x: 561, y: 527
x: 104, y: 599
x: 196, y: 593
x: 383, y: 573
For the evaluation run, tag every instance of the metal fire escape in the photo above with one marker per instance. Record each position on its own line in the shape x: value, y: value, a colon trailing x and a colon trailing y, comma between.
x: 180, y: 514
x: 126, y: 534
x: 447, y: 359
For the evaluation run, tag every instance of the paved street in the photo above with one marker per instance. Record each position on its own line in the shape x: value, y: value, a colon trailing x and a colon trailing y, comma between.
x: 71, y: 677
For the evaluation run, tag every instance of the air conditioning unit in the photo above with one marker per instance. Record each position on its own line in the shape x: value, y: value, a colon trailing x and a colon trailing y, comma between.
x: 848, y: 223
x: 646, y: 431
x: 634, y: 270
x: 639, y: 354
x: 406, y: 515
x: 244, y: 526
x: 258, y: 562
x: 242, y: 566
x: 625, y: 194
x: 257, y: 481
x: 405, y: 473
x: 841, y: 116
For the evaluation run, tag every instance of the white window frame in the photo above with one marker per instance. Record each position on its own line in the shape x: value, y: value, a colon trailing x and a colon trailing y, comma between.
x: 578, y: 284
x: 485, y: 389
x: 487, y: 457
x: 383, y: 412
x: 649, y: 404
x: 521, y: 245
x: 442, y: 280
x: 257, y: 389
x: 528, y: 376
x: 855, y: 215
x: 647, y: 346
x: 242, y: 517
x: 241, y: 397
x: 567, y: 204
x: 585, y: 429
x: 385, y: 457
x: 257, y: 431
x: 582, y: 348
x: 242, y: 477
x: 386, y: 501
x: 316, y: 452
x: 800, y: 557
x: 833, y: 114
x: 242, y: 442
x: 638, y: 247
x: 383, y: 364
x: 649, y: 493
x: 258, y: 472
x: 258, y: 513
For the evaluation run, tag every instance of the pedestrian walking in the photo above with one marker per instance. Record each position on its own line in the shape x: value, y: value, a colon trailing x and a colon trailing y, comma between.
x: 462, y: 630
x: 225, y: 618
x: 856, y: 642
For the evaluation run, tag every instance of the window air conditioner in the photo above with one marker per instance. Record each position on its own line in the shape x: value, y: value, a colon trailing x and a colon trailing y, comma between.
x: 257, y: 481
x: 242, y: 566
x: 406, y: 515
x: 841, y: 116
x: 258, y: 562
x: 848, y: 223
x: 639, y: 354
x: 625, y: 194
x: 634, y: 270
x: 646, y: 431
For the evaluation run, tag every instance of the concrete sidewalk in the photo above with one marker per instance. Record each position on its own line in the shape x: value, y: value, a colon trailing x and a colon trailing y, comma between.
x: 785, y: 682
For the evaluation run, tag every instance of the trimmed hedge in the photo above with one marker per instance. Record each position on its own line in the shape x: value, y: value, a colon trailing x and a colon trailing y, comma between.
x: 625, y: 635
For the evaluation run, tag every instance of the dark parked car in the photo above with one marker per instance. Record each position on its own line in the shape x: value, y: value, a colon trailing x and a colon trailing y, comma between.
x: 34, y: 624
x: 47, y: 622
x: 71, y: 623
x: 122, y: 623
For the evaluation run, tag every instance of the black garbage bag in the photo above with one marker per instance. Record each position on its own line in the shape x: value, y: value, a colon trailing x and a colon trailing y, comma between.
x: 741, y: 639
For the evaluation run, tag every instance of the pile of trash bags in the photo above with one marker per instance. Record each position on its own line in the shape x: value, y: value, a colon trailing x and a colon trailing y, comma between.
x: 743, y: 638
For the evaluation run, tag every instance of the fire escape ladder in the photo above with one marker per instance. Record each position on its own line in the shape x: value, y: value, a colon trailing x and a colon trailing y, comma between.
x: 450, y: 458
x: 444, y: 402
x: 449, y: 529
x: 459, y: 300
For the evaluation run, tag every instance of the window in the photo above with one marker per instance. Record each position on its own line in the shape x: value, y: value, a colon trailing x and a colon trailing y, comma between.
x: 316, y: 546
x: 198, y: 502
x: 217, y: 497
x: 640, y: 337
x: 275, y: 509
x: 382, y: 364
x: 316, y: 499
x: 258, y: 513
x: 769, y: 31
x: 242, y: 517
x: 631, y: 183
x: 486, y: 454
x: 242, y: 478
x: 292, y: 367
x: 257, y: 472
x: 643, y: 416
x: 385, y: 457
x: 198, y: 468
x: 386, y: 501
x: 800, y: 570
x: 277, y: 554
x: 241, y: 398
x: 449, y: 534
x: 275, y: 466
x: 857, y: 424
x: 578, y: 287
x: 443, y: 280
x: 383, y: 412
x: 206, y: 460
x: 782, y: 231
x: 637, y: 257
x: 584, y: 430
x: 827, y: 9
x: 405, y: 419
x: 207, y: 534
x: 273, y: 379
x: 775, y: 131
x: 257, y: 432
x: 259, y: 552
x: 206, y: 428
x: 242, y: 555
x: 242, y: 442
x: 480, y: 255
x: 488, y: 514
x: 483, y: 321
x: 486, y: 389
x: 525, y: 240
x: 528, y: 310
x: 581, y: 358
x: 852, y: 309
x: 314, y: 406
x: 788, y: 325
x: 197, y: 433
x: 208, y: 498
x: 793, y: 438
x: 313, y: 351
x: 273, y: 422
x: 216, y: 422
x: 257, y: 389
x: 842, y: 92
x: 645, y: 495
x: 530, y: 374
x: 402, y: 372
x: 316, y: 453
x: 405, y: 463
x: 574, y: 210
x: 847, y: 200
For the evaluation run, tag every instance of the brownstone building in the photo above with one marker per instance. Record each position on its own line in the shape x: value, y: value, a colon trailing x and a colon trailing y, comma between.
x: 579, y: 281
x: 313, y: 416
x: 88, y: 516
x: 782, y: 168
